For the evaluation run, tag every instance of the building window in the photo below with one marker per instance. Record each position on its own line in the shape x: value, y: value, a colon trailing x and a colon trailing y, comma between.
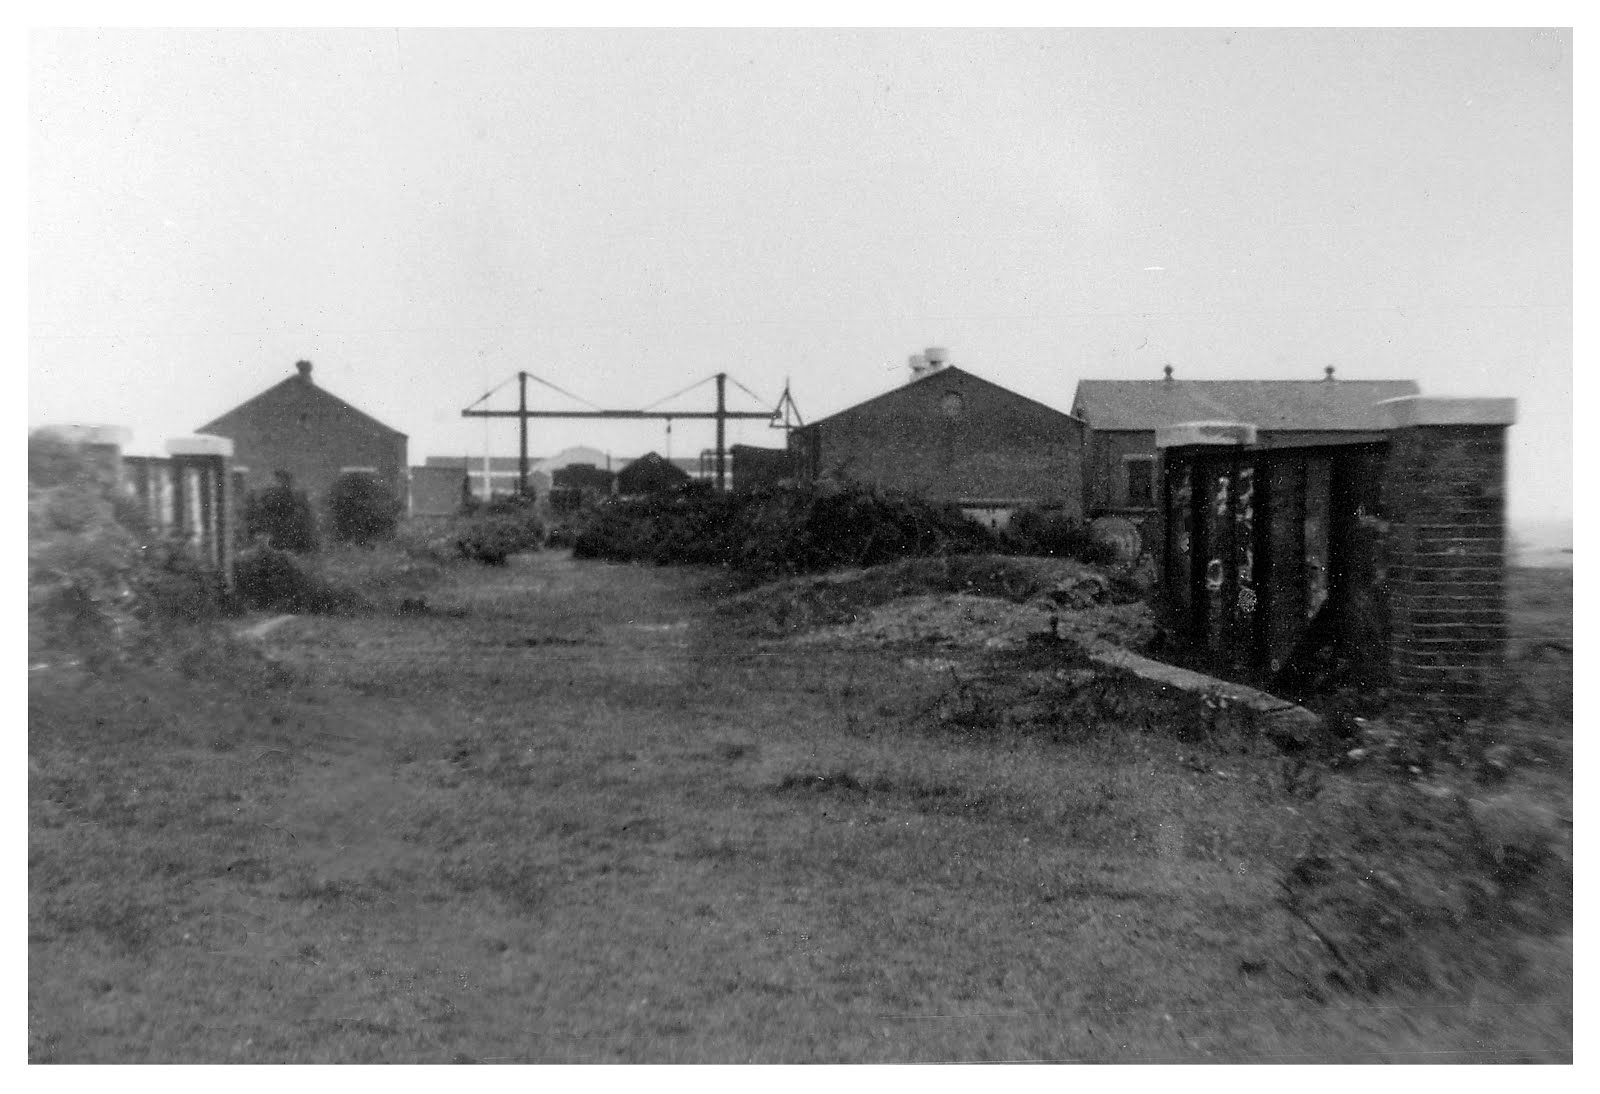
x: 1141, y: 481
x: 951, y: 405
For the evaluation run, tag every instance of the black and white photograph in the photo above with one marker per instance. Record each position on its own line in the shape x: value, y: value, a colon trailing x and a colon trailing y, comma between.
x: 795, y: 545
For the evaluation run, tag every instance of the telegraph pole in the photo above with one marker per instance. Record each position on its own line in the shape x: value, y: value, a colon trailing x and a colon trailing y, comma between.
x: 722, y: 425
x: 522, y: 421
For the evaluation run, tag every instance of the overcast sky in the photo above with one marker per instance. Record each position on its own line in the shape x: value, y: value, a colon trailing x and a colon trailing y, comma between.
x: 423, y: 213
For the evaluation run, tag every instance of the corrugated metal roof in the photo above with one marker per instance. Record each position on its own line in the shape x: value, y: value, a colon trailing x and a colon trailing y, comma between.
x: 1305, y: 405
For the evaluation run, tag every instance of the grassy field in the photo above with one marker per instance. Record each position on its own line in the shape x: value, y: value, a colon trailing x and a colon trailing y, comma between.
x: 575, y: 813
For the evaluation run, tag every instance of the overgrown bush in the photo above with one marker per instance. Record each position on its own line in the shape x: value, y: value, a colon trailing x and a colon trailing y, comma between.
x: 1051, y: 532
x: 82, y: 565
x: 502, y: 531
x: 282, y: 516
x: 778, y: 529
x: 266, y: 579
x: 174, y: 589
x: 101, y: 588
x: 361, y: 509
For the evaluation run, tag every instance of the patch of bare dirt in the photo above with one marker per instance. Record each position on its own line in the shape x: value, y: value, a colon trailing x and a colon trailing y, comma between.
x: 960, y: 620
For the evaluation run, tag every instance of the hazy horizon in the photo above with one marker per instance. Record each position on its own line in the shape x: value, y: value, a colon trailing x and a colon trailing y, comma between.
x: 423, y: 213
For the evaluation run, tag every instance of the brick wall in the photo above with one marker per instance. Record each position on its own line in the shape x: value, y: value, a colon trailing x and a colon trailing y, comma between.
x: 1105, y: 473
x: 1444, y: 495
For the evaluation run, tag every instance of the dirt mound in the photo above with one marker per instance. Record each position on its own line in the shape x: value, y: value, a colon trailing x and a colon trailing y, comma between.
x: 982, y: 622
x: 795, y: 604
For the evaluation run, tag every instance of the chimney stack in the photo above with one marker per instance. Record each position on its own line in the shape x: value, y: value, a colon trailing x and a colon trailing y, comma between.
x: 1167, y: 369
x: 1327, y: 373
x: 304, y: 368
x: 919, y: 366
x: 936, y: 358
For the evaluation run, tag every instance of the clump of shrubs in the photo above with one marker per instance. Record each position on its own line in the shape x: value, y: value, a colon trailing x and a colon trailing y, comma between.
x: 267, y: 579
x: 82, y: 561
x: 778, y: 529
x: 282, y: 516
x: 102, y: 590
x: 1052, y: 533
x: 795, y: 527
x: 500, y: 529
x: 362, y: 509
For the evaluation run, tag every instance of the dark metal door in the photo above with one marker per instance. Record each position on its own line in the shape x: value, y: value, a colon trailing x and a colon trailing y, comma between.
x: 1266, y: 555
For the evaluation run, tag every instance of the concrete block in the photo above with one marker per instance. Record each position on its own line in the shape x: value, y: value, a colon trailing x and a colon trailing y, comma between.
x: 200, y: 444
x: 1419, y: 410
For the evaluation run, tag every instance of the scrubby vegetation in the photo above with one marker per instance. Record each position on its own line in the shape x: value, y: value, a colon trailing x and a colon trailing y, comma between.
x: 787, y: 528
x: 810, y: 527
x: 102, y: 590
x: 500, y: 529
x: 1052, y: 533
x: 361, y: 509
x: 281, y: 516
x: 271, y: 580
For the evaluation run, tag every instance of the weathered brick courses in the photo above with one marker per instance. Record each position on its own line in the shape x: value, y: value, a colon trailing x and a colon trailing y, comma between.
x: 1445, y: 487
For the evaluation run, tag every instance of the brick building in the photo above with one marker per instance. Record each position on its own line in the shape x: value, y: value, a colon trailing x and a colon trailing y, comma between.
x: 315, y: 436
x: 1124, y: 415
x: 952, y: 437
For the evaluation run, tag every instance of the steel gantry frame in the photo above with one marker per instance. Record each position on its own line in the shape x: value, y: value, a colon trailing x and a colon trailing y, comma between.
x: 721, y: 415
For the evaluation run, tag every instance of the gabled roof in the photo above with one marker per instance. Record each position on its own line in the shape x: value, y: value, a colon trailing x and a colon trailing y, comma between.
x: 297, y: 385
x: 945, y: 374
x: 1301, y: 405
